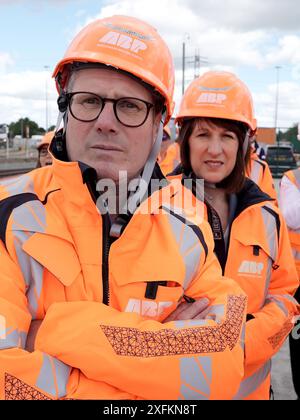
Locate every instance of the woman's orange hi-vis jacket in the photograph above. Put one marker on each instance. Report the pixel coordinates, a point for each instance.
(256, 252)
(289, 203)
(101, 302)
(260, 173)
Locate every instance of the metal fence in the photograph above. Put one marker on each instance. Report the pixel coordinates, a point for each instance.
(18, 157)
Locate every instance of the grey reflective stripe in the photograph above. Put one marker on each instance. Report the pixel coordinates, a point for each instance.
(177, 227)
(53, 377)
(255, 171)
(196, 377)
(290, 298)
(30, 216)
(23, 336)
(268, 280)
(242, 339)
(296, 174)
(276, 299)
(271, 232)
(19, 185)
(27, 220)
(278, 302)
(295, 251)
(35, 288)
(250, 384)
(190, 323)
(192, 260)
(271, 235)
(13, 339)
(32, 272)
(178, 210)
(216, 313)
(23, 258)
(296, 254)
(189, 247)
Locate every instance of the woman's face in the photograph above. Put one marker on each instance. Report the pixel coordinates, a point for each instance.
(213, 151)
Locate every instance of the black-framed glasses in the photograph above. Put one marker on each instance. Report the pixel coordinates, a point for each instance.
(87, 106)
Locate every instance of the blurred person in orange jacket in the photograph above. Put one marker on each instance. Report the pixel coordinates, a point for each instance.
(216, 120)
(163, 158)
(290, 206)
(169, 157)
(44, 156)
(258, 170)
(85, 287)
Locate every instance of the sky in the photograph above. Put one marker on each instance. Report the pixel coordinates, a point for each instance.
(257, 40)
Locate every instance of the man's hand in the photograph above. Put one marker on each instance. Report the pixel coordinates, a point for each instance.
(185, 311)
(34, 327)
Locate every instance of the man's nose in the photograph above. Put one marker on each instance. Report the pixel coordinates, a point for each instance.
(107, 121)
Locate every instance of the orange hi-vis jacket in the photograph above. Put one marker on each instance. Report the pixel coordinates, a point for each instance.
(102, 302)
(258, 256)
(294, 177)
(171, 160)
(260, 173)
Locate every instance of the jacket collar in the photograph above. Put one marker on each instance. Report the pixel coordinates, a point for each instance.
(250, 194)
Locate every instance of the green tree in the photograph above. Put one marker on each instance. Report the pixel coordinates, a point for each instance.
(19, 127)
(291, 136)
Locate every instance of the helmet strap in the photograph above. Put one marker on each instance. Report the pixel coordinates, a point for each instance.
(246, 143)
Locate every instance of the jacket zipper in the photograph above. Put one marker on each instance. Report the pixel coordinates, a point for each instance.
(105, 255)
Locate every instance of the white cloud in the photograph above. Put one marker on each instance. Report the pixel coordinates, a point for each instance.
(249, 14)
(24, 94)
(223, 41)
(287, 50)
(232, 34)
(6, 61)
(288, 105)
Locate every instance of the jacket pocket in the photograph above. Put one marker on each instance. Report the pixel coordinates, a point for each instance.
(154, 299)
(251, 264)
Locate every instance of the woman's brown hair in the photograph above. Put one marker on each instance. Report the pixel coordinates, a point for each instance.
(235, 181)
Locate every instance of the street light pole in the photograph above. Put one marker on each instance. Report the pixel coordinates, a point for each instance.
(46, 97)
(277, 99)
(276, 115)
(186, 38)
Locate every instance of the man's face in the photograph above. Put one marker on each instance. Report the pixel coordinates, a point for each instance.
(105, 144)
(44, 155)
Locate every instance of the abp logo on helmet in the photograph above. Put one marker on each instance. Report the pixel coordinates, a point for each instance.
(123, 41)
(211, 98)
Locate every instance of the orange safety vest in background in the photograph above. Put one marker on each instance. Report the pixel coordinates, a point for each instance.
(260, 259)
(171, 160)
(294, 177)
(58, 265)
(260, 173)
